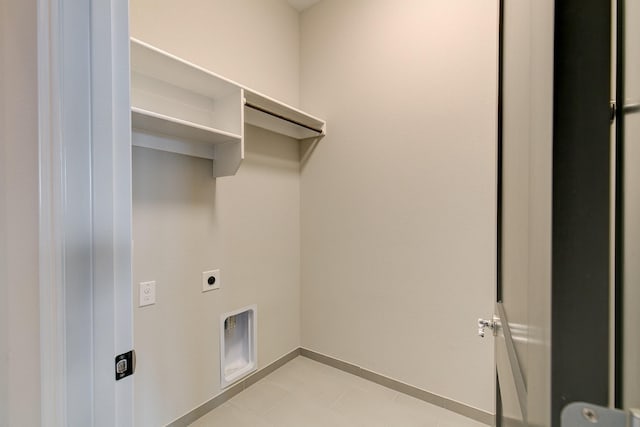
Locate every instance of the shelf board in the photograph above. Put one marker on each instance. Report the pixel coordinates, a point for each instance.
(155, 123)
(268, 113)
(159, 132)
(165, 87)
(158, 64)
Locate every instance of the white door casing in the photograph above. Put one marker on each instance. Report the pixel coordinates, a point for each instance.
(85, 211)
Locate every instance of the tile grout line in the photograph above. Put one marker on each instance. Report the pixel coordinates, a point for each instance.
(335, 401)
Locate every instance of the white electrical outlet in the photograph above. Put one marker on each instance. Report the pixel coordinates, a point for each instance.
(147, 293)
(210, 280)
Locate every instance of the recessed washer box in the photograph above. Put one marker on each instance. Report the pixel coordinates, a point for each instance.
(238, 349)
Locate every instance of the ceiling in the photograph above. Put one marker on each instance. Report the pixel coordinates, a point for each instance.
(301, 5)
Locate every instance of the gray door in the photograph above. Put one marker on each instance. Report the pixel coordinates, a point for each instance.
(625, 367)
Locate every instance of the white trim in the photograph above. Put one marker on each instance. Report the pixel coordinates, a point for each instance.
(86, 315)
(51, 245)
(111, 209)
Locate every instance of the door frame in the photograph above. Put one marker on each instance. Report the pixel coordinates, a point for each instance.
(84, 211)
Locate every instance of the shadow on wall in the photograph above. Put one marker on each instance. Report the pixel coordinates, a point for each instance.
(270, 150)
(154, 180)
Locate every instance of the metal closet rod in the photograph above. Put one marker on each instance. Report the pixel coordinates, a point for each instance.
(631, 108)
(255, 107)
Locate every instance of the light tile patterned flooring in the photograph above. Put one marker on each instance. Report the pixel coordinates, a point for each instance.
(305, 393)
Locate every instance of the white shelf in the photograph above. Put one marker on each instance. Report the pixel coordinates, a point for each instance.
(180, 107)
(268, 113)
(151, 61)
(155, 123)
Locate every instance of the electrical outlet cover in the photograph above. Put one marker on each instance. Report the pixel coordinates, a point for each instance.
(147, 293)
(210, 280)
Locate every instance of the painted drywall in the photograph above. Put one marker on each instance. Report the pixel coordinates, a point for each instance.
(4, 315)
(301, 5)
(253, 42)
(4, 289)
(185, 222)
(399, 200)
(19, 307)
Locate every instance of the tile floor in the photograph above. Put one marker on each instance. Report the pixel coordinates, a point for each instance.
(305, 393)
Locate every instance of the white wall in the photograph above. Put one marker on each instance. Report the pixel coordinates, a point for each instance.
(4, 289)
(253, 42)
(185, 222)
(19, 319)
(399, 200)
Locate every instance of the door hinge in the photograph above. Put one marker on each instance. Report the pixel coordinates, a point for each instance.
(125, 364)
(612, 111)
(580, 414)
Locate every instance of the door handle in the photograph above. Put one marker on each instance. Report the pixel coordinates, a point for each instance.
(483, 324)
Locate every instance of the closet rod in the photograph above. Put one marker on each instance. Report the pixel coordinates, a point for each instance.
(255, 107)
(631, 108)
